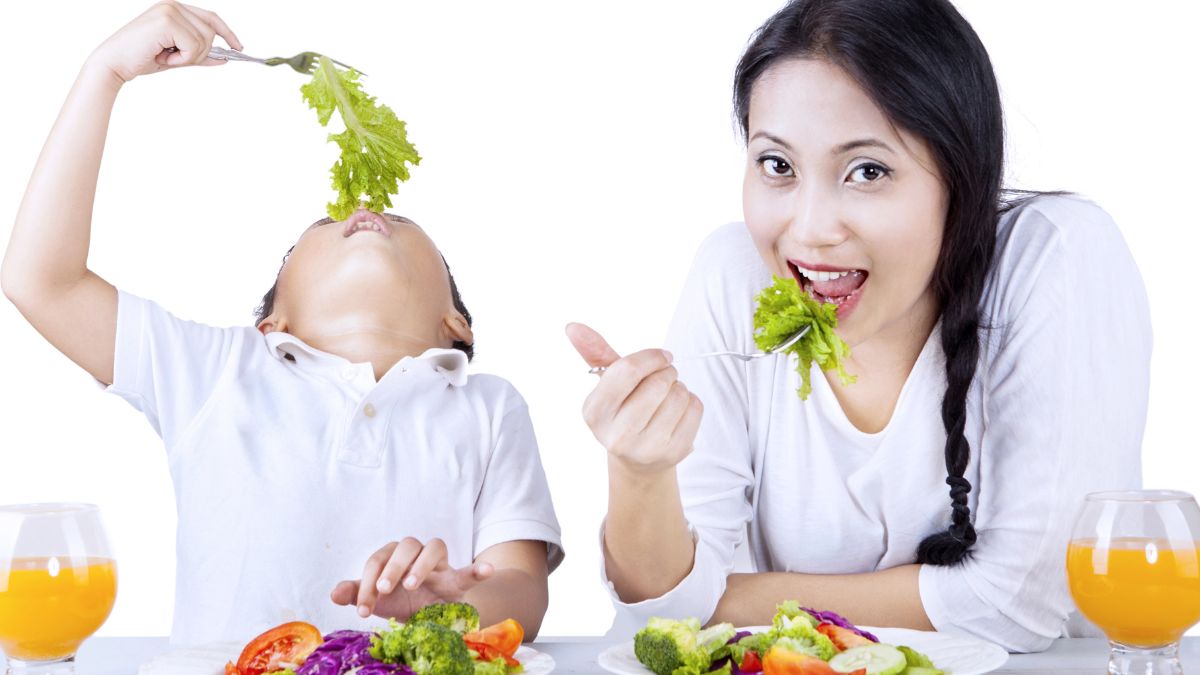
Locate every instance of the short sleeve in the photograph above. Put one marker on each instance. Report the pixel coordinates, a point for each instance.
(714, 314)
(167, 367)
(1065, 392)
(514, 502)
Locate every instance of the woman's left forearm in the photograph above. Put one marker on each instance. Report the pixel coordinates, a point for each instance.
(511, 593)
(890, 597)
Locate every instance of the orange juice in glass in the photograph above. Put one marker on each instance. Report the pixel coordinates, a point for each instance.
(58, 582)
(1133, 566)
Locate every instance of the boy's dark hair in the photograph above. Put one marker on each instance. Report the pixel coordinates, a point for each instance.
(267, 305)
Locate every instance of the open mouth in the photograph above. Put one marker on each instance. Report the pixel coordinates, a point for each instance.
(366, 221)
(841, 286)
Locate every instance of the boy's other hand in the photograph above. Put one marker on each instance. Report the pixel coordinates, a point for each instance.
(168, 35)
(404, 576)
(639, 411)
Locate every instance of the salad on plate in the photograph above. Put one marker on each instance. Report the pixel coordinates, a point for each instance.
(440, 639)
(799, 641)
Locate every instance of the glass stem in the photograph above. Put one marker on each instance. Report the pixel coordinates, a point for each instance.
(1129, 660)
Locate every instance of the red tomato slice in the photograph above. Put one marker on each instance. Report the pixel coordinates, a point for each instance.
(489, 653)
(281, 647)
(230, 669)
(842, 638)
(505, 636)
(751, 663)
(783, 662)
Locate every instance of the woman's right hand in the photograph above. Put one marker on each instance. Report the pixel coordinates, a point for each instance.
(639, 411)
(168, 35)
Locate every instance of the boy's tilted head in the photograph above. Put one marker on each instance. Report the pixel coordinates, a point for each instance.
(372, 277)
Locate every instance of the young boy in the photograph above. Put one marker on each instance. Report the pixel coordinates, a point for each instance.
(346, 420)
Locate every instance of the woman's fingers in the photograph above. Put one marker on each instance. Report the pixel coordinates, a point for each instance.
(619, 383)
(647, 397)
(591, 345)
(661, 426)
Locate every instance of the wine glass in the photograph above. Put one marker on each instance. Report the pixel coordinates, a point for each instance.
(1134, 571)
(58, 582)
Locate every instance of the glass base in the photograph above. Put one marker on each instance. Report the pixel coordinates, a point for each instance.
(57, 667)
(1129, 660)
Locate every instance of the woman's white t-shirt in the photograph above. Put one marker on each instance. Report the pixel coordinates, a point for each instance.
(1056, 410)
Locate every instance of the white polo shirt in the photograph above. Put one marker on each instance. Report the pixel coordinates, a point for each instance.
(291, 466)
(1056, 410)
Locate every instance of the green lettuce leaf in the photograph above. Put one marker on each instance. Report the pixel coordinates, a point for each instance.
(375, 147)
(783, 308)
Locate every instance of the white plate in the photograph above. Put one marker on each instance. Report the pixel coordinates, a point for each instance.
(211, 659)
(955, 654)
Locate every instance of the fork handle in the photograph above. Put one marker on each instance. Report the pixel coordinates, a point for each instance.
(223, 54)
(599, 370)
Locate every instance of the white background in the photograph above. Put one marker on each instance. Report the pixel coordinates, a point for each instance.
(574, 156)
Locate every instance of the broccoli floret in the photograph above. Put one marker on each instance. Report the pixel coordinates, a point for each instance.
(459, 617)
(427, 648)
(387, 645)
(790, 609)
(802, 637)
(666, 645)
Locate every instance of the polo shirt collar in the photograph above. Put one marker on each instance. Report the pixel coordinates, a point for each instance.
(449, 363)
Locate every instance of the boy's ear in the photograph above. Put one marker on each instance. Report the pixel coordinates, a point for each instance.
(272, 324)
(457, 328)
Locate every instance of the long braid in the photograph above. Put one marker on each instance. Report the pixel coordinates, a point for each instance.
(959, 280)
(960, 343)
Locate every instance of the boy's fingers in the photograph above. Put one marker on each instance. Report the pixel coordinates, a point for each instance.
(371, 571)
(468, 577)
(188, 44)
(594, 349)
(344, 593)
(218, 25)
(431, 558)
(400, 558)
(204, 34)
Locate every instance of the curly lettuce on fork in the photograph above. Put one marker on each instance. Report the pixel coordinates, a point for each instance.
(783, 308)
(374, 145)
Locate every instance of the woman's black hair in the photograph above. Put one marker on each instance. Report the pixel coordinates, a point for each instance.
(924, 66)
(267, 305)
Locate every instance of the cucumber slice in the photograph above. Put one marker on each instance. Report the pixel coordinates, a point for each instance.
(922, 670)
(877, 659)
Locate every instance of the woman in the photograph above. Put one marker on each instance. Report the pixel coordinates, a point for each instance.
(1001, 347)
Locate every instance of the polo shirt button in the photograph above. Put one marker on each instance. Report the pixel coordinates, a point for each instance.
(348, 373)
(369, 410)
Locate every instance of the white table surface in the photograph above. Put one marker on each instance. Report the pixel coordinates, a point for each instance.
(123, 655)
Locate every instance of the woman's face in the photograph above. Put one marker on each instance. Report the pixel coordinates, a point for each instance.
(838, 198)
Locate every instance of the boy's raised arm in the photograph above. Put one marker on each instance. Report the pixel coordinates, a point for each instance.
(45, 271)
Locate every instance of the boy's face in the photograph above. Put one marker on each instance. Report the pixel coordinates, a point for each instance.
(370, 274)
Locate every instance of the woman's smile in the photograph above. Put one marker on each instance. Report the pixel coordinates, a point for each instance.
(842, 286)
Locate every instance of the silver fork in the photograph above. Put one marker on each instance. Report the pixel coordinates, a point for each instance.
(304, 62)
(792, 339)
